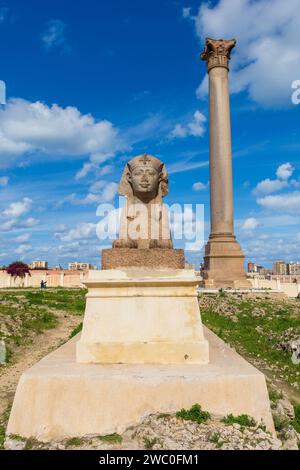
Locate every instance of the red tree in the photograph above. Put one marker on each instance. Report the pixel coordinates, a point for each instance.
(18, 269)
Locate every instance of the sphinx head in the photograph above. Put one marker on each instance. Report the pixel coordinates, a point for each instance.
(146, 177)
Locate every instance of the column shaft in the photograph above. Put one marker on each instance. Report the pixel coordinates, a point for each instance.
(221, 208)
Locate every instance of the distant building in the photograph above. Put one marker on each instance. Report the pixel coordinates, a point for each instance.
(39, 265)
(280, 267)
(79, 266)
(293, 268)
(252, 268)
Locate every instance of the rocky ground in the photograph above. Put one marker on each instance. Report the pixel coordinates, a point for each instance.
(169, 432)
(259, 328)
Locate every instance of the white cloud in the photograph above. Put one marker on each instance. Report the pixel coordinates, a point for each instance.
(17, 209)
(15, 224)
(28, 128)
(54, 36)
(289, 202)
(284, 171)
(92, 167)
(80, 232)
(250, 224)
(266, 59)
(23, 238)
(268, 186)
(3, 180)
(199, 186)
(100, 192)
(194, 128)
(24, 248)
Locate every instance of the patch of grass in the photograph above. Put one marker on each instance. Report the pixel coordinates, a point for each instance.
(74, 441)
(2, 436)
(41, 320)
(150, 443)
(255, 330)
(76, 330)
(111, 438)
(195, 413)
(215, 437)
(242, 420)
(296, 421)
(32, 443)
(275, 395)
(280, 423)
(26, 313)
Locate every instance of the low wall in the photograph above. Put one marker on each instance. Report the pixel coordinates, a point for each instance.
(62, 278)
(291, 289)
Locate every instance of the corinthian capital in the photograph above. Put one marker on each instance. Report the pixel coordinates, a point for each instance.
(217, 52)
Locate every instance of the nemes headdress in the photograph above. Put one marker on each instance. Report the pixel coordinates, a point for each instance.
(125, 188)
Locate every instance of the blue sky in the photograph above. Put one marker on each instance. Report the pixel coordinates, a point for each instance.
(91, 84)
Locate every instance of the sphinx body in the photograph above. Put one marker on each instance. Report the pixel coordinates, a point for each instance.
(144, 220)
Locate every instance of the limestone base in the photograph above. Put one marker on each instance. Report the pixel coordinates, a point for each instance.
(142, 316)
(58, 398)
(224, 263)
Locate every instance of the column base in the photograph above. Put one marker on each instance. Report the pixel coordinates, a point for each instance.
(224, 263)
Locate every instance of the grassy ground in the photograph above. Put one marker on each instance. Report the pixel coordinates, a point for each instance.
(259, 329)
(26, 313)
(33, 323)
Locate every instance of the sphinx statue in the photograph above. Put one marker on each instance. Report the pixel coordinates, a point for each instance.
(144, 219)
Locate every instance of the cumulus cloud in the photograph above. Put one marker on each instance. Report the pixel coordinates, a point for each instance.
(31, 127)
(266, 59)
(17, 209)
(267, 186)
(250, 224)
(16, 224)
(199, 186)
(100, 192)
(3, 181)
(80, 232)
(289, 202)
(284, 171)
(54, 36)
(194, 128)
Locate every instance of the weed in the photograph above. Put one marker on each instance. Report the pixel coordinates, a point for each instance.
(111, 438)
(242, 420)
(195, 413)
(150, 443)
(76, 330)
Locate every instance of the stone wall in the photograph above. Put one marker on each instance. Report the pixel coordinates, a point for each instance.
(291, 289)
(63, 278)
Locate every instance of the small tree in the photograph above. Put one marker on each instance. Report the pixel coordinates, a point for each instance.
(18, 269)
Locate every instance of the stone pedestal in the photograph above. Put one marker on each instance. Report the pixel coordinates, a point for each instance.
(118, 258)
(142, 316)
(224, 263)
(59, 398)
